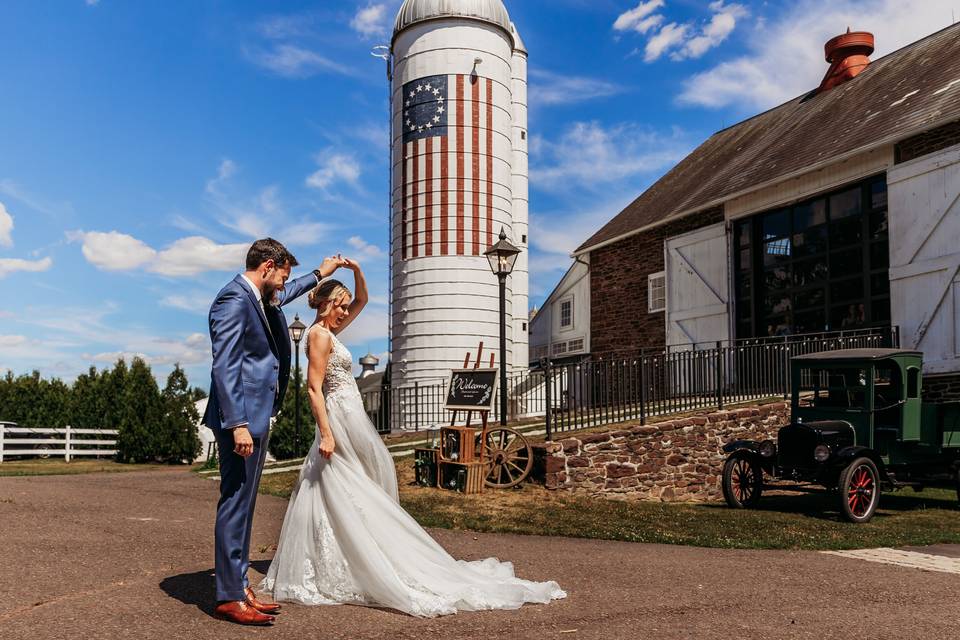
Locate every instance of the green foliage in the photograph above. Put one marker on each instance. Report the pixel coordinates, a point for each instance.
(152, 426)
(141, 416)
(282, 435)
(178, 440)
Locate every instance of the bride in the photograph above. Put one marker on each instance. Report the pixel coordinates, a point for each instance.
(345, 537)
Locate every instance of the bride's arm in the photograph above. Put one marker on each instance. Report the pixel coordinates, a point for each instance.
(360, 295)
(320, 346)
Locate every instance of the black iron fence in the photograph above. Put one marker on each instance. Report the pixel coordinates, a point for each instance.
(631, 386)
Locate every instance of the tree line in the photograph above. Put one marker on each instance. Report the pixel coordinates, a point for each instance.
(154, 425)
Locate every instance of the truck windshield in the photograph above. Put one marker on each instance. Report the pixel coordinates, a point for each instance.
(831, 388)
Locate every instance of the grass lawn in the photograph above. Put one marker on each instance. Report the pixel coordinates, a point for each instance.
(798, 521)
(58, 466)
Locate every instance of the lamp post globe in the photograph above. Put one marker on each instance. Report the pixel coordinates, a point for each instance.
(296, 334)
(502, 256)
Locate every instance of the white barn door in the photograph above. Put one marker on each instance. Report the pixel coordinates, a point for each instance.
(697, 287)
(697, 309)
(924, 215)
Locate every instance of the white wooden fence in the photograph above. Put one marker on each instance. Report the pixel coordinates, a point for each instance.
(19, 441)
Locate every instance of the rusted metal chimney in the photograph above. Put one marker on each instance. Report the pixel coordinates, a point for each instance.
(848, 55)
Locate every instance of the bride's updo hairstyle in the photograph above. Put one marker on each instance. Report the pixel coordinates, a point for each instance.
(325, 294)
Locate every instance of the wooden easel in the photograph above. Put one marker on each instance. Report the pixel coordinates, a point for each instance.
(483, 414)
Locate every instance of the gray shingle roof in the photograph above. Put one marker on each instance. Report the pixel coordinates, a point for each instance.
(903, 93)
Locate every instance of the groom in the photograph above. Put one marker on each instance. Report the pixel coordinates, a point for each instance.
(251, 367)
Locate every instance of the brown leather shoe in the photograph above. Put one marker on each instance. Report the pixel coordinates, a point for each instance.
(241, 613)
(263, 607)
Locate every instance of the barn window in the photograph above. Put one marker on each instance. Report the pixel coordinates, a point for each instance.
(656, 292)
(566, 313)
(817, 265)
(575, 345)
(559, 348)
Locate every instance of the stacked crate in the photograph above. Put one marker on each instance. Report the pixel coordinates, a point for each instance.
(455, 465)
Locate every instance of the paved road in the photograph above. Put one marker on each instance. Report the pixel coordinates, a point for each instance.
(129, 555)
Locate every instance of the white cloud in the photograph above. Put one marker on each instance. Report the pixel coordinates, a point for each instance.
(590, 156)
(334, 167)
(92, 3)
(669, 36)
(305, 233)
(194, 302)
(193, 255)
(12, 341)
(12, 265)
(757, 80)
(17, 192)
(364, 248)
(6, 227)
(225, 171)
(638, 18)
(680, 40)
(295, 61)
(549, 88)
(371, 20)
(115, 251)
(370, 326)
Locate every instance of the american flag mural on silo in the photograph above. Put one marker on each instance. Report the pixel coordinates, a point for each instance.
(446, 200)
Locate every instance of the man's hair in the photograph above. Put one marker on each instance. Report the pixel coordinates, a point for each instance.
(269, 249)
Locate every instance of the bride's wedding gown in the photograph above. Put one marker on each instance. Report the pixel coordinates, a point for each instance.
(346, 539)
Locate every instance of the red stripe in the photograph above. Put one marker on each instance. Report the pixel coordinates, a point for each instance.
(460, 166)
(489, 162)
(403, 199)
(475, 158)
(428, 199)
(444, 197)
(416, 198)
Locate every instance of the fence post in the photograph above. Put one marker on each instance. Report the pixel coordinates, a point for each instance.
(786, 367)
(416, 406)
(549, 409)
(641, 361)
(66, 446)
(719, 375)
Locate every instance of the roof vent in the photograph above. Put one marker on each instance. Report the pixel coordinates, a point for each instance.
(848, 55)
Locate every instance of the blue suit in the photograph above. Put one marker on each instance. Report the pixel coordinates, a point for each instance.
(251, 369)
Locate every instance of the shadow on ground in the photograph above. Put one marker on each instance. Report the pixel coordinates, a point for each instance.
(824, 504)
(200, 587)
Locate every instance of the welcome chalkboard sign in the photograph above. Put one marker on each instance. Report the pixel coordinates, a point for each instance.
(471, 389)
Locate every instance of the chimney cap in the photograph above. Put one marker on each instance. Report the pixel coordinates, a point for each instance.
(847, 44)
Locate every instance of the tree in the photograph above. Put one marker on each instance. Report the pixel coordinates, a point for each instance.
(140, 415)
(178, 440)
(111, 389)
(282, 434)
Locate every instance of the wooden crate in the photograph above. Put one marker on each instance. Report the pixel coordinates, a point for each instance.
(458, 444)
(425, 466)
(463, 477)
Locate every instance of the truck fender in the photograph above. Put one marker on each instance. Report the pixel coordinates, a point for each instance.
(736, 445)
(846, 455)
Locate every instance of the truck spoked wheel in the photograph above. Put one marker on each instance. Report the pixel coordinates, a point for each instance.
(742, 480)
(859, 490)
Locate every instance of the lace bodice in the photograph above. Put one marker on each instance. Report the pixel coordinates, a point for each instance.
(339, 375)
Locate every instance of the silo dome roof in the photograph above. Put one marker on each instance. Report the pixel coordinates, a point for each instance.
(414, 11)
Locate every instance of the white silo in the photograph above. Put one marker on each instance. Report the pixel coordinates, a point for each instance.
(454, 167)
(521, 200)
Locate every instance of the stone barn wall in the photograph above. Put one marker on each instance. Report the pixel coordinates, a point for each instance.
(677, 460)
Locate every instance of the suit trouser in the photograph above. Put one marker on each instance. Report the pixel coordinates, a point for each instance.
(239, 481)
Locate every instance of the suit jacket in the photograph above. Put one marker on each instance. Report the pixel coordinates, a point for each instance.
(251, 365)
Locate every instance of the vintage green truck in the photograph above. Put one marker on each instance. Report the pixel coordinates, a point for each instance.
(858, 425)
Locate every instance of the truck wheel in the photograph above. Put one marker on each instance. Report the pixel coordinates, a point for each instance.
(859, 490)
(742, 480)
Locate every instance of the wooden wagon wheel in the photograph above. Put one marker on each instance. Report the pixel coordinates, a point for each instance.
(507, 455)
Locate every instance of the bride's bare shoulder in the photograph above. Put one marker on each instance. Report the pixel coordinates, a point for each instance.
(319, 337)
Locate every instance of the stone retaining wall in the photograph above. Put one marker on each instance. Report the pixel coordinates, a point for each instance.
(676, 460)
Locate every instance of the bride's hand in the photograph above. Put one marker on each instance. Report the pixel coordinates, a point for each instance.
(326, 447)
(351, 264)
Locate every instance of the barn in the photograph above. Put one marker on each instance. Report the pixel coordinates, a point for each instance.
(837, 210)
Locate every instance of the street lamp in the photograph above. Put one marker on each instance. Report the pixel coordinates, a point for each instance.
(502, 257)
(296, 334)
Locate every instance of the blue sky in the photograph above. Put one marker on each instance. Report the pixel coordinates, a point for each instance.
(143, 145)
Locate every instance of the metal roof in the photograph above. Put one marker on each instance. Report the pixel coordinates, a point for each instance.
(899, 95)
(858, 354)
(415, 11)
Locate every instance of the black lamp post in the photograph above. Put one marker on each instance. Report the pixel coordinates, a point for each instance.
(502, 257)
(296, 333)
